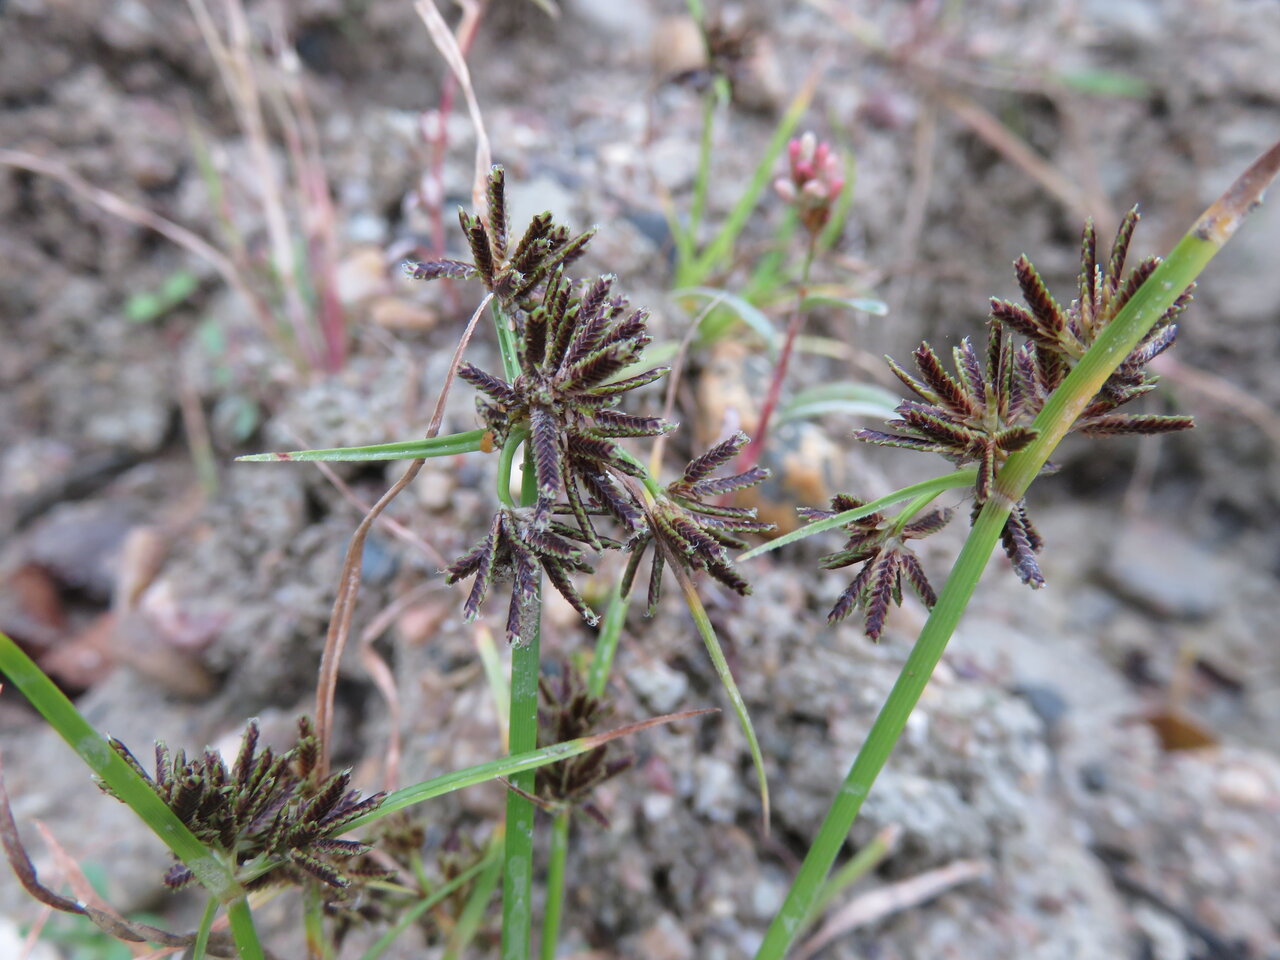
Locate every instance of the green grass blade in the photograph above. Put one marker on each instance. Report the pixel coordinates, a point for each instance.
(716, 322)
(447, 446)
(410, 916)
(503, 767)
(720, 250)
(848, 398)
(198, 950)
(712, 643)
(615, 615)
(859, 865)
(517, 854)
(499, 689)
(959, 478)
(477, 905)
(702, 181)
(556, 870)
(99, 756)
(877, 308)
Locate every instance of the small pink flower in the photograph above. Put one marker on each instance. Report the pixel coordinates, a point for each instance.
(815, 182)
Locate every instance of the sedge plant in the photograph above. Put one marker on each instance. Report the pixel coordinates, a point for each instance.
(998, 418)
(571, 353)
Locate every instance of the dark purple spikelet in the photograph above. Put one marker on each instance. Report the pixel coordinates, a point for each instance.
(265, 808)
(685, 527)
(878, 543)
(986, 410)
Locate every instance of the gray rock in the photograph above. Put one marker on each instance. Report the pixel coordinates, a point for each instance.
(1165, 573)
(659, 687)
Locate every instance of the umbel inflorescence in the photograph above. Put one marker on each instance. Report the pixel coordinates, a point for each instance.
(575, 346)
(270, 813)
(984, 411)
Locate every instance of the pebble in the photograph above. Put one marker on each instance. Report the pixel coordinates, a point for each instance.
(715, 794)
(1165, 573)
(1243, 786)
(666, 940)
(661, 688)
(393, 313)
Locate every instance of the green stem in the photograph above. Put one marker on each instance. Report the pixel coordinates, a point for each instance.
(506, 344)
(615, 615)
(908, 513)
(410, 916)
(884, 733)
(318, 948)
(650, 482)
(506, 463)
(243, 931)
(930, 488)
(517, 870)
(1115, 343)
(198, 950)
(125, 782)
(555, 885)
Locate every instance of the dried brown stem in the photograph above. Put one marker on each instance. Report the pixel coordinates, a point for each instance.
(117, 206)
(451, 51)
(344, 604)
(891, 899)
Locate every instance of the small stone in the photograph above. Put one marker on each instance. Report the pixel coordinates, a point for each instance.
(434, 488)
(1243, 786)
(361, 276)
(13, 943)
(715, 790)
(80, 544)
(392, 313)
(1165, 573)
(661, 688)
(678, 47)
(666, 940)
(657, 807)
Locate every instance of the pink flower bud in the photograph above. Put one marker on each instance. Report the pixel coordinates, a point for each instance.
(816, 179)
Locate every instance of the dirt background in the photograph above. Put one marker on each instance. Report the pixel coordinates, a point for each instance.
(177, 609)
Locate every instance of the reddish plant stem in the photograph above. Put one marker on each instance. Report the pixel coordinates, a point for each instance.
(751, 455)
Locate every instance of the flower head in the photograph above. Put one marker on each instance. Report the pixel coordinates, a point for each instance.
(267, 806)
(985, 411)
(879, 544)
(815, 180)
(694, 532)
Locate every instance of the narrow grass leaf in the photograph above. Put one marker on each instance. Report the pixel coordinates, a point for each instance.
(960, 478)
(712, 643)
(877, 308)
(714, 325)
(446, 446)
(507, 767)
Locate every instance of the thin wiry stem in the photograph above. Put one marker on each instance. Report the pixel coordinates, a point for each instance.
(344, 604)
(751, 456)
(556, 870)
